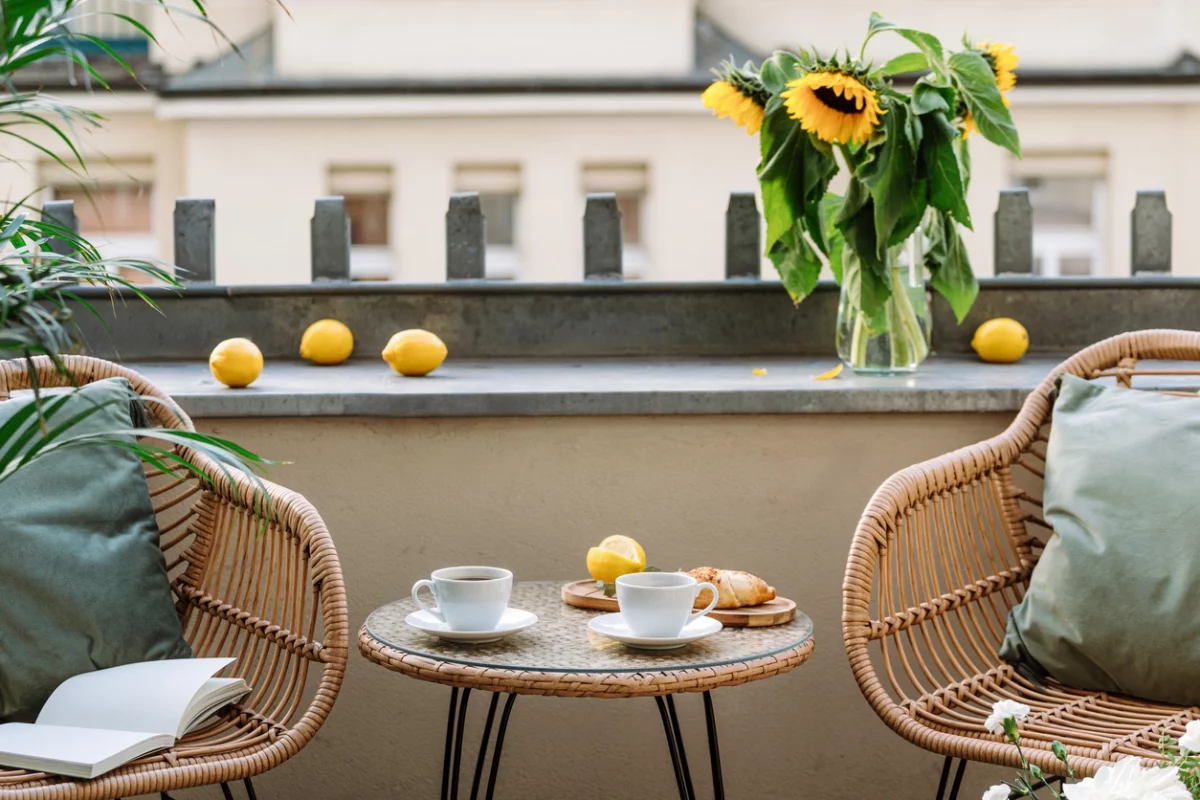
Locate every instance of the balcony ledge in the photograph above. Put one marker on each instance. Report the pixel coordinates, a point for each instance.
(581, 387)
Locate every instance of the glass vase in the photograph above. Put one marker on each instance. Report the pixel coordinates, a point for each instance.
(896, 339)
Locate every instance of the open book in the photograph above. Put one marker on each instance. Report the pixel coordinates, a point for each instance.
(98, 721)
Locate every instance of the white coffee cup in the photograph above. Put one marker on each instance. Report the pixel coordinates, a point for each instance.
(657, 605)
(468, 598)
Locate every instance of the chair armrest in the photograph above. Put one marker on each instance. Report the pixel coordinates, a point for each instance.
(262, 582)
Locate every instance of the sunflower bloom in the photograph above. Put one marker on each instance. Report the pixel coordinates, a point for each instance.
(1002, 58)
(834, 106)
(727, 100)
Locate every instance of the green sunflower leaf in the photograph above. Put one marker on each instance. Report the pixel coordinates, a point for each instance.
(863, 271)
(835, 243)
(793, 171)
(947, 189)
(977, 83)
(906, 64)
(927, 98)
(864, 285)
(796, 262)
(780, 68)
(949, 267)
(963, 150)
(912, 212)
(927, 43)
(891, 173)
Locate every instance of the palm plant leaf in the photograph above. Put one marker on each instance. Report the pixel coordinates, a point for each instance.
(43, 262)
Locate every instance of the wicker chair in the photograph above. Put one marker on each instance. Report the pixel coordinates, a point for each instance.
(944, 550)
(273, 598)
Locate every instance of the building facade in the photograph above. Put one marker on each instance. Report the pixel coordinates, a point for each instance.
(396, 104)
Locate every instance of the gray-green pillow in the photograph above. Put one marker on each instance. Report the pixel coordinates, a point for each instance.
(1114, 603)
(83, 583)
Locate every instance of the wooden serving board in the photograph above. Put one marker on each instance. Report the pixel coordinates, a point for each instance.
(585, 594)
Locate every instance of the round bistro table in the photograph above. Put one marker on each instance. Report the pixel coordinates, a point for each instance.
(561, 657)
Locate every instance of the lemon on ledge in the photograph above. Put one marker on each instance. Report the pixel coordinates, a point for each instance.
(414, 352)
(1001, 340)
(616, 556)
(237, 363)
(326, 342)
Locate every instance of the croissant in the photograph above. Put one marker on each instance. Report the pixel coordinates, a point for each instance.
(735, 589)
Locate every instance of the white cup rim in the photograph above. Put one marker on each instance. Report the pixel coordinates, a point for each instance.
(477, 574)
(656, 580)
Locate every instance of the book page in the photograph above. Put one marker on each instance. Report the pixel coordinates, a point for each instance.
(81, 752)
(152, 696)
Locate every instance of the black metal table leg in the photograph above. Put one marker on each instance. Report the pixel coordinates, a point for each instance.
(449, 752)
(458, 737)
(683, 762)
(487, 734)
(456, 726)
(668, 729)
(499, 746)
(714, 748)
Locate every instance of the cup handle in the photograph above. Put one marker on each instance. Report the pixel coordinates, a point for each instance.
(712, 604)
(417, 587)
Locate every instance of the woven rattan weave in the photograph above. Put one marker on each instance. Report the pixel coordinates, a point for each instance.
(273, 597)
(943, 551)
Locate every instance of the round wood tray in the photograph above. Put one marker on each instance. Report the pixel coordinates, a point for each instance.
(585, 594)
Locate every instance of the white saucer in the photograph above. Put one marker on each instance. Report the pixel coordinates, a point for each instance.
(614, 627)
(514, 620)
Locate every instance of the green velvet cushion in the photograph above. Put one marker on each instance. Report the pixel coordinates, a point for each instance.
(83, 583)
(1114, 602)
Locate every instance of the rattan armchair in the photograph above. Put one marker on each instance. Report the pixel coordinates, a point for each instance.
(945, 549)
(270, 595)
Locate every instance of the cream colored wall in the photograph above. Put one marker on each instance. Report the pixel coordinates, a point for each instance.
(265, 193)
(778, 496)
(1095, 34)
(484, 38)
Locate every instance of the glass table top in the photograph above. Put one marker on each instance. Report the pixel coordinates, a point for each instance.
(562, 642)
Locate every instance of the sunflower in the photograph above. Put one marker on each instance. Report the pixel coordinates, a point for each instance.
(1002, 58)
(835, 106)
(738, 94)
(726, 100)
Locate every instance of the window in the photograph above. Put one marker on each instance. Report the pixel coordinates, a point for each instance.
(499, 187)
(115, 208)
(368, 194)
(629, 183)
(1068, 194)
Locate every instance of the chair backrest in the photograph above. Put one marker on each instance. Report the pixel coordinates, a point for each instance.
(82, 370)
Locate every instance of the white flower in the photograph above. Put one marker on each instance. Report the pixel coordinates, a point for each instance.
(1001, 711)
(1190, 741)
(997, 792)
(1128, 780)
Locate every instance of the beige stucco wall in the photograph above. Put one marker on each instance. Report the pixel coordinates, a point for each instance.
(1049, 33)
(483, 38)
(778, 495)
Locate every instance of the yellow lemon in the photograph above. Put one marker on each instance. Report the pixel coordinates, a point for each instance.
(414, 352)
(616, 556)
(326, 341)
(236, 362)
(1001, 340)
